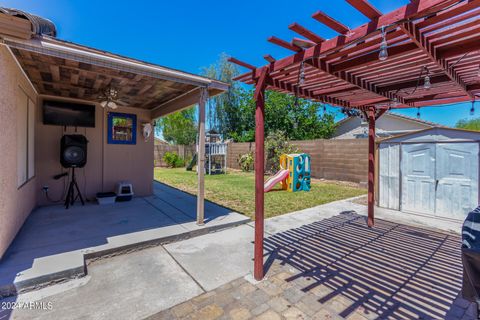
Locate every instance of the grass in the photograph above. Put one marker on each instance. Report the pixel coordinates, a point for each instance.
(236, 190)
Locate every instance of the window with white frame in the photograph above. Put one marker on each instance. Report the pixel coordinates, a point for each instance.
(25, 138)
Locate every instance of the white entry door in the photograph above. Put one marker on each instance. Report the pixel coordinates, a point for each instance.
(418, 181)
(457, 179)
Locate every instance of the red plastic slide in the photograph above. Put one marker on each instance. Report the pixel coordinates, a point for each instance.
(277, 178)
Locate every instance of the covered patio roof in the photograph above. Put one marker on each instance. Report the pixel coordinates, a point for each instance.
(424, 53)
(61, 69)
(65, 69)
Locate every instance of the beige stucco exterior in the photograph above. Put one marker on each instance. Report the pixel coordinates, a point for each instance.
(15, 203)
(107, 164)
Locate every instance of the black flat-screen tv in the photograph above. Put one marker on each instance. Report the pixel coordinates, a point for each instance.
(68, 114)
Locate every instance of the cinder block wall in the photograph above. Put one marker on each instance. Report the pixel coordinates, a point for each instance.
(344, 160)
(186, 152)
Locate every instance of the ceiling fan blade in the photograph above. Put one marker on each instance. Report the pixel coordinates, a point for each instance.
(122, 103)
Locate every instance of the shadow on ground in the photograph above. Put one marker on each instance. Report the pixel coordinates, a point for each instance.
(390, 271)
(56, 232)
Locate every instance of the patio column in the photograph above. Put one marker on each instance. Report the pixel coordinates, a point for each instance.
(201, 157)
(259, 96)
(371, 165)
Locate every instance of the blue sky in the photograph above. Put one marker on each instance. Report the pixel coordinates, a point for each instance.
(189, 35)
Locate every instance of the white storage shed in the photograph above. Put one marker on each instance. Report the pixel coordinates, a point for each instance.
(432, 172)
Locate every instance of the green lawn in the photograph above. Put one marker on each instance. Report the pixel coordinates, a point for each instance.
(235, 190)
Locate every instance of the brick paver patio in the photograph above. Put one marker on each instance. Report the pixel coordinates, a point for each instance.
(338, 268)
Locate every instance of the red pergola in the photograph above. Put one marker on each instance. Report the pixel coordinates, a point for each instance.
(423, 54)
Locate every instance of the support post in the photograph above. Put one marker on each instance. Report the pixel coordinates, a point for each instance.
(201, 157)
(259, 173)
(371, 165)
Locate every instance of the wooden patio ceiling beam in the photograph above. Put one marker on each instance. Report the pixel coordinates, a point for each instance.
(356, 81)
(422, 42)
(281, 85)
(241, 63)
(284, 44)
(308, 94)
(413, 9)
(302, 43)
(412, 84)
(372, 57)
(305, 33)
(365, 8)
(428, 102)
(269, 58)
(330, 22)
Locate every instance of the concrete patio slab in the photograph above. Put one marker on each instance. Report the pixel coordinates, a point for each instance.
(339, 268)
(132, 286)
(55, 243)
(294, 242)
(216, 258)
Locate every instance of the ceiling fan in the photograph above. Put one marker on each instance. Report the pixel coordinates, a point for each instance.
(109, 98)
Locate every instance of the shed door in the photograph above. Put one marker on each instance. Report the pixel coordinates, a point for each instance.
(418, 181)
(389, 176)
(457, 179)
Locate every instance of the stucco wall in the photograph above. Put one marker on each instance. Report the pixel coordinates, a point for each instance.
(15, 203)
(106, 163)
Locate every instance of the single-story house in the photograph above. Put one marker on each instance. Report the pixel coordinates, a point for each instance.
(390, 124)
(120, 97)
(431, 172)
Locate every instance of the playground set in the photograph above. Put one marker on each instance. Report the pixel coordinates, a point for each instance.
(294, 173)
(215, 155)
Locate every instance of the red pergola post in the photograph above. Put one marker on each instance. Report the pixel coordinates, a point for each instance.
(259, 96)
(371, 165)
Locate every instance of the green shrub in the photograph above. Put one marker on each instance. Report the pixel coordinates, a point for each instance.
(277, 144)
(246, 161)
(173, 160)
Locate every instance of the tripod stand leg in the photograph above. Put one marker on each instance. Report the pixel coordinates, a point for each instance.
(79, 193)
(69, 196)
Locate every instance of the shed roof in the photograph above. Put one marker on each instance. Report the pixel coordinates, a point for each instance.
(401, 116)
(435, 134)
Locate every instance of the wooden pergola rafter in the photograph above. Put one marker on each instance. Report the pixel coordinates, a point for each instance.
(438, 38)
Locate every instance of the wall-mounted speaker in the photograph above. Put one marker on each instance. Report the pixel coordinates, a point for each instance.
(73, 151)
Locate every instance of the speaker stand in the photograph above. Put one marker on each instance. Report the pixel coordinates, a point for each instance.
(72, 189)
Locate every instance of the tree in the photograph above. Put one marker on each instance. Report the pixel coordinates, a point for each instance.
(223, 112)
(232, 114)
(179, 127)
(472, 124)
(297, 119)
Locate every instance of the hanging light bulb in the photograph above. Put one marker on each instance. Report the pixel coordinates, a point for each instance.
(472, 109)
(418, 113)
(301, 80)
(383, 55)
(426, 81)
(324, 108)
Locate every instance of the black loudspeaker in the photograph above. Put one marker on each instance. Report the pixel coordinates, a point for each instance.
(73, 151)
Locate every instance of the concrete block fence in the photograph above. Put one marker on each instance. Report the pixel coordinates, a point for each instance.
(343, 159)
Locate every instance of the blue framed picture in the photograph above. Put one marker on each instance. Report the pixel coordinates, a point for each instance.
(122, 128)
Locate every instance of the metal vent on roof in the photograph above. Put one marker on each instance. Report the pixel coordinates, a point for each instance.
(40, 26)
